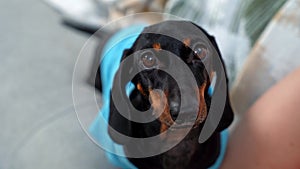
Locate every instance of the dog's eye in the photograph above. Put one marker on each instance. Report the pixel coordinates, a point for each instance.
(148, 59)
(200, 50)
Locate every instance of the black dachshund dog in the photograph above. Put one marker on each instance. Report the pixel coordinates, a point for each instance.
(193, 46)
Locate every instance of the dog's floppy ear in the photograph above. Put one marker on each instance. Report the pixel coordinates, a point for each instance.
(97, 82)
(119, 124)
(117, 121)
(227, 116)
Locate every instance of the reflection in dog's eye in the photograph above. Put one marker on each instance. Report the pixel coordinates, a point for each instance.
(148, 59)
(200, 50)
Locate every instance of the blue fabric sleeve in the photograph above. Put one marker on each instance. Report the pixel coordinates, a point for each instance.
(110, 62)
(224, 141)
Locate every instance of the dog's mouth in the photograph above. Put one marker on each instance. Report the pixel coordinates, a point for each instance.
(184, 125)
(192, 115)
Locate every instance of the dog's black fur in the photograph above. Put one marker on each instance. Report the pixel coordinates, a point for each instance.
(188, 153)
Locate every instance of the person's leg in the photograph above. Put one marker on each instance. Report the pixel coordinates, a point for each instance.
(268, 136)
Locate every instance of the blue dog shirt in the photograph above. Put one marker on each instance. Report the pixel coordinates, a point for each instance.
(111, 58)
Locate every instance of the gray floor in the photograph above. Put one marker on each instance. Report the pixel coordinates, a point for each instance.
(39, 128)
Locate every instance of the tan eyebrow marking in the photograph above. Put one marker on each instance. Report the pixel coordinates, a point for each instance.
(156, 46)
(187, 42)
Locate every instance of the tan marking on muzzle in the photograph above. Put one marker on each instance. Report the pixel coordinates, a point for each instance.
(202, 113)
(160, 104)
(212, 74)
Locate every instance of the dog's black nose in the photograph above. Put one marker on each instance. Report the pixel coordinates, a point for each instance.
(188, 113)
(174, 108)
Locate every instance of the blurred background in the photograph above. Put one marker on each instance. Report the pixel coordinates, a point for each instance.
(41, 40)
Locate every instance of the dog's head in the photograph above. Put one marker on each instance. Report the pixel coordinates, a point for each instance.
(153, 51)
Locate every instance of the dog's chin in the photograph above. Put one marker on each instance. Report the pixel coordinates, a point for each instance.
(182, 154)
